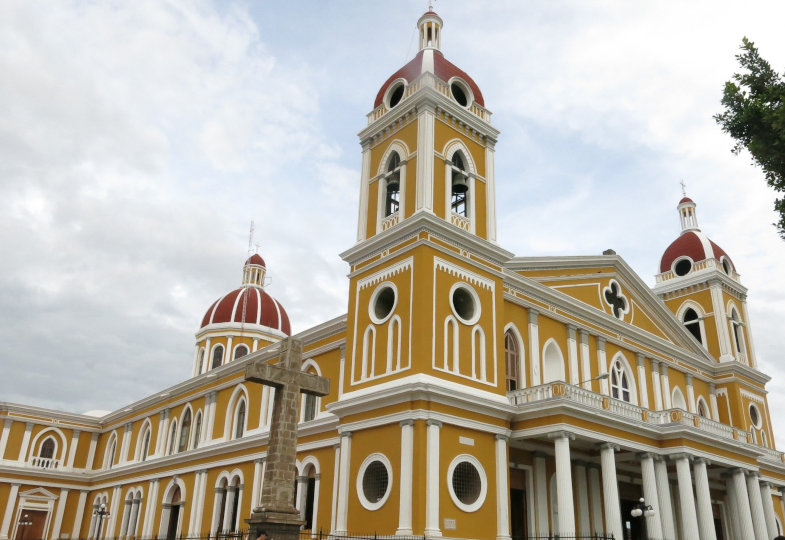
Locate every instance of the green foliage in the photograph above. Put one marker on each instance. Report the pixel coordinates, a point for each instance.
(754, 115)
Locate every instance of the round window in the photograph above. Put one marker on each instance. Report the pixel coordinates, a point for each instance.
(395, 93)
(755, 416)
(727, 266)
(467, 483)
(383, 302)
(465, 303)
(374, 481)
(682, 267)
(460, 93)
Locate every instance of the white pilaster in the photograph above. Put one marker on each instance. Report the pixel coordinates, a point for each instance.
(664, 498)
(209, 431)
(22, 458)
(200, 499)
(602, 367)
(585, 360)
(78, 516)
(194, 504)
(149, 512)
(163, 428)
(768, 509)
(126, 517)
(432, 479)
(425, 149)
(134, 521)
(336, 477)
(561, 446)
(584, 518)
(715, 410)
(343, 484)
(756, 507)
(114, 505)
(689, 520)
(72, 448)
(653, 522)
(9, 511)
(666, 386)
(490, 196)
(407, 478)
(228, 502)
(534, 348)
(572, 354)
(365, 176)
(502, 491)
(746, 527)
(703, 498)
(540, 494)
(721, 321)
(596, 499)
(228, 351)
(656, 390)
(125, 443)
(91, 451)
(610, 490)
(691, 407)
(4, 437)
(643, 388)
(748, 335)
(256, 486)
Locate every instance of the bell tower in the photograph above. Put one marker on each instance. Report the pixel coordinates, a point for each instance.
(428, 146)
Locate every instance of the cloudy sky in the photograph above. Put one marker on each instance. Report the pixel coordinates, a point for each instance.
(139, 139)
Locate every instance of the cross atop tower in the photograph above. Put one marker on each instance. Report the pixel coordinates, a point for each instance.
(683, 188)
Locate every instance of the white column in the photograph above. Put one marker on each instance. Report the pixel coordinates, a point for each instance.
(540, 494)
(194, 504)
(596, 499)
(666, 386)
(125, 443)
(602, 367)
(76, 532)
(561, 445)
(109, 532)
(72, 448)
(200, 500)
(655, 384)
(255, 345)
(715, 411)
(584, 520)
(4, 437)
(209, 421)
(490, 183)
(152, 502)
(610, 490)
(689, 520)
(768, 509)
(691, 408)
(257, 482)
(534, 349)
(365, 176)
(734, 523)
(643, 387)
(502, 491)
(336, 468)
(705, 513)
(228, 502)
(746, 527)
(653, 523)
(343, 484)
(25, 443)
(126, 517)
(664, 498)
(585, 360)
(163, 428)
(9, 511)
(407, 480)
(572, 354)
(432, 479)
(134, 521)
(756, 507)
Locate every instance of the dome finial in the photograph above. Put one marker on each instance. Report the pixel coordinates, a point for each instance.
(430, 25)
(683, 188)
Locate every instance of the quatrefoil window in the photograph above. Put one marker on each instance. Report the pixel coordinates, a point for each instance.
(616, 300)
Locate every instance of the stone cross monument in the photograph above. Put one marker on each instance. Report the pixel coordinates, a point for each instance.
(277, 514)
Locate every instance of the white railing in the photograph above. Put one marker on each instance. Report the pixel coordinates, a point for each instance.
(44, 463)
(461, 221)
(391, 220)
(562, 391)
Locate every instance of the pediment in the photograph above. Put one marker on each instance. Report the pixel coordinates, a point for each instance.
(608, 285)
(38, 494)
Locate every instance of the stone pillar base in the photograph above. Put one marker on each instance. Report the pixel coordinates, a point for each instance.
(278, 525)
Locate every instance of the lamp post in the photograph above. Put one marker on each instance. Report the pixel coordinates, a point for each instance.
(102, 513)
(23, 524)
(642, 509)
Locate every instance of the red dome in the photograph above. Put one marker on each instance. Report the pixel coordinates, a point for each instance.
(260, 309)
(686, 199)
(694, 245)
(442, 68)
(256, 259)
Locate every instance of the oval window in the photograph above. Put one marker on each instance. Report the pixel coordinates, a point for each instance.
(465, 304)
(459, 94)
(383, 302)
(374, 481)
(395, 93)
(682, 267)
(467, 483)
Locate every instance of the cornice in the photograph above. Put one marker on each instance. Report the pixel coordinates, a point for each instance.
(708, 275)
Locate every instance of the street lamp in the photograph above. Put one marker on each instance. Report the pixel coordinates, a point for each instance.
(23, 524)
(102, 513)
(600, 377)
(642, 509)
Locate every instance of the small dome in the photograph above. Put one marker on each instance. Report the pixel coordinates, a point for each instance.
(692, 244)
(255, 259)
(686, 200)
(261, 309)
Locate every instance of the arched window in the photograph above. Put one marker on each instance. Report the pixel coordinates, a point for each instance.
(47, 448)
(620, 382)
(703, 410)
(197, 429)
(145, 450)
(677, 399)
(692, 323)
(392, 185)
(512, 361)
(201, 361)
(240, 351)
(218, 356)
(173, 438)
(460, 186)
(185, 431)
(112, 450)
(738, 332)
(310, 408)
(239, 421)
(552, 363)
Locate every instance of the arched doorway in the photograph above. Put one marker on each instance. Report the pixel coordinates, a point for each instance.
(172, 521)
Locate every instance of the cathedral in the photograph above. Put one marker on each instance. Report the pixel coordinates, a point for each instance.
(474, 394)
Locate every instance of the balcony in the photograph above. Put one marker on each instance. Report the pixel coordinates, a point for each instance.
(38, 462)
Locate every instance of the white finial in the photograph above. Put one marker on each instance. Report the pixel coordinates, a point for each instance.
(683, 188)
(250, 239)
(430, 5)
